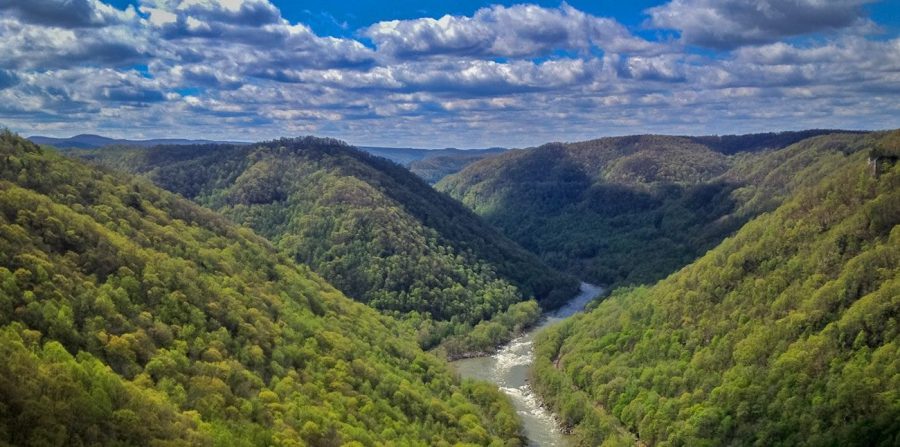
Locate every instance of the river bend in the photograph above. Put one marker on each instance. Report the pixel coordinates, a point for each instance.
(508, 369)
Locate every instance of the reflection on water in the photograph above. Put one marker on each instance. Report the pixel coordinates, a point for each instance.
(508, 368)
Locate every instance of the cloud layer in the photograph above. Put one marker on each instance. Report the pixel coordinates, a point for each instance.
(732, 23)
(518, 75)
(497, 31)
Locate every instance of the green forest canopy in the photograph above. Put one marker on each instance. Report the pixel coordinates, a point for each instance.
(129, 315)
(785, 334)
(378, 233)
(631, 210)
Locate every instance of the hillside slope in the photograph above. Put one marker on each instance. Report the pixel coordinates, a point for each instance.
(629, 210)
(378, 233)
(130, 316)
(785, 334)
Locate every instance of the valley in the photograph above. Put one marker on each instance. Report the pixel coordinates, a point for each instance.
(274, 223)
(802, 258)
(783, 328)
(509, 369)
(631, 210)
(370, 227)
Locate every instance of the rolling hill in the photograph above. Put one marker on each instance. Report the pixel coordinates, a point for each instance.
(630, 210)
(378, 233)
(785, 334)
(430, 164)
(90, 141)
(131, 316)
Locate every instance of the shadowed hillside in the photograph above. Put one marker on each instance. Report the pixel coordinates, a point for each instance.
(784, 334)
(631, 210)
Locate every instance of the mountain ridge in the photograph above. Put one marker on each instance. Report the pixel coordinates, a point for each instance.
(430, 164)
(92, 141)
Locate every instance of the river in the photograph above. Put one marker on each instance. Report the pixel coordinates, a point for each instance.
(508, 368)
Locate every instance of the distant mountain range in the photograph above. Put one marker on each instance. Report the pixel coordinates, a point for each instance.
(408, 155)
(433, 164)
(401, 155)
(89, 141)
(430, 164)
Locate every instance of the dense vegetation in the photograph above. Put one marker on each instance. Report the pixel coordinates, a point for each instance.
(785, 334)
(629, 210)
(130, 316)
(378, 233)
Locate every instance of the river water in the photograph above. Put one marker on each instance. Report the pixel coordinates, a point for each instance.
(508, 368)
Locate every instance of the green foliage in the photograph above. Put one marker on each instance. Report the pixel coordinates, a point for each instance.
(368, 226)
(48, 397)
(631, 210)
(888, 147)
(785, 334)
(129, 315)
(484, 337)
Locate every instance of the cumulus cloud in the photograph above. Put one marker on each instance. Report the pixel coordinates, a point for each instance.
(669, 68)
(67, 13)
(499, 31)
(461, 77)
(852, 63)
(725, 24)
(237, 69)
(28, 46)
(251, 32)
(203, 18)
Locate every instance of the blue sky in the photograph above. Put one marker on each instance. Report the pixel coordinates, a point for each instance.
(345, 17)
(439, 74)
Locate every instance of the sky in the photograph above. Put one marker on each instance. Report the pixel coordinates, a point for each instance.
(446, 74)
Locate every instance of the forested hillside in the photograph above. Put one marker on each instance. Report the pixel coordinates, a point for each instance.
(130, 316)
(378, 233)
(785, 334)
(631, 210)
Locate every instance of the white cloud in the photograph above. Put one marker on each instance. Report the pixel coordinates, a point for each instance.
(159, 17)
(733, 23)
(67, 13)
(239, 70)
(499, 31)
